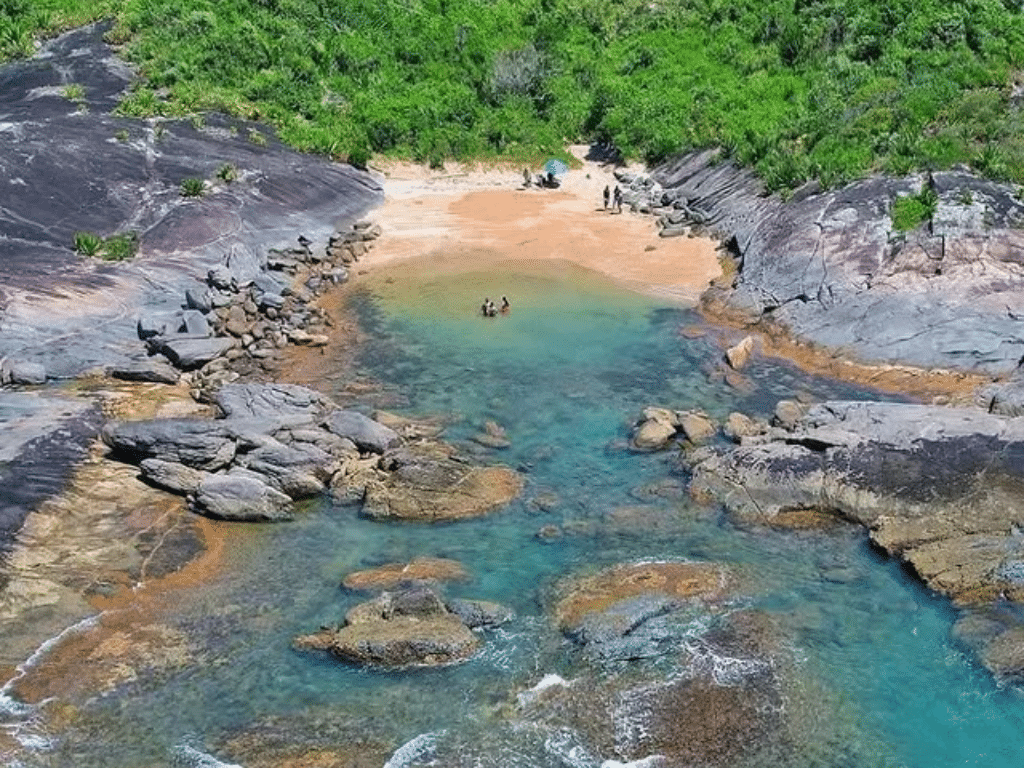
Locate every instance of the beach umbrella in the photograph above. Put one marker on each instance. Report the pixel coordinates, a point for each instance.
(555, 167)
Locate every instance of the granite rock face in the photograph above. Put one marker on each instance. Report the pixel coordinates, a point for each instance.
(940, 488)
(830, 268)
(73, 168)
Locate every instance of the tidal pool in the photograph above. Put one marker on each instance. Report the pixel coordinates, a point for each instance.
(880, 680)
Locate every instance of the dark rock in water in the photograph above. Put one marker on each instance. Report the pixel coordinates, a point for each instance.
(172, 475)
(480, 613)
(189, 352)
(234, 497)
(938, 487)
(410, 627)
(197, 443)
(145, 369)
(366, 433)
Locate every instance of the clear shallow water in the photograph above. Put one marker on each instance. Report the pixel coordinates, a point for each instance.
(882, 683)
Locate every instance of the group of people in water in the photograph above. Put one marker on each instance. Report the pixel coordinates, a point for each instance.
(616, 198)
(488, 308)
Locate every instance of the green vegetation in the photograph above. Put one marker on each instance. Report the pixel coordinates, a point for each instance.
(74, 92)
(192, 187)
(114, 248)
(227, 173)
(798, 89)
(88, 243)
(121, 136)
(913, 210)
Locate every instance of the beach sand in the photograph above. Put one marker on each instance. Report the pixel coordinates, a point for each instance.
(465, 218)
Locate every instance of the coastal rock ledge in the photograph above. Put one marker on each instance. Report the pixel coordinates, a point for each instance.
(940, 488)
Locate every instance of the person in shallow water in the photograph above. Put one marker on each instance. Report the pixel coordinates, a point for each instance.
(505, 306)
(487, 309)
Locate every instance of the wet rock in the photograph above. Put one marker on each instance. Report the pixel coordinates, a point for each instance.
(492, 436)
(234, 497)
(656, 429)
(696, 426)
(391, 575)
(22, 372)
(366, 433)
(480, 613)
(739, 355)
(429, 485)
(406, 628)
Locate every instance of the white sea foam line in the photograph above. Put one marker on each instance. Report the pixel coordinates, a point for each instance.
(415, 748)
(38, 654)
(564, 745)
(651, 761)
(184, 756)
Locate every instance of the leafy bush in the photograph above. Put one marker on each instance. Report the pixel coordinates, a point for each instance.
(192, 187)
(913, 210)
(120, 247)
(87, 243)
(227, 173)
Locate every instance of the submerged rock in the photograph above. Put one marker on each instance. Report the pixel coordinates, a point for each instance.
(391, 575)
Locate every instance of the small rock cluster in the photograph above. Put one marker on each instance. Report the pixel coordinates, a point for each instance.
(249, 308)
(410, 623)
(658, 428)
(278, 443)
(676, 214)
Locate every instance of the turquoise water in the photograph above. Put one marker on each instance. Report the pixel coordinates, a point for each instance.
(880, 680)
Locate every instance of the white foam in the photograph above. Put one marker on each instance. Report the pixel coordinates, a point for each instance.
(651, 761)
(565, 746)
(415, 748)
(184, 756)
(39, 653)
(549, 680)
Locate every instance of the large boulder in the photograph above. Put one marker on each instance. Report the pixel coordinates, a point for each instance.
(270, 401)
(242, 498)
(188, 352)
(199, 443)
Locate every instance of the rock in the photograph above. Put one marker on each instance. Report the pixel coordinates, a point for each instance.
(788, 413)
(199, 299)
(739, 355)
(228, 497)
(194, 323)
(300, 471)
(271, 402)
(149, 326)
(22, 372)
(188, 352)
(145, 369)
(1004, 656)
(366, 433)
(493, 436)
(400, 642)
(738, 426)
(427, 485)
(237, 324)
(697, 426)
(172, 475)
(480, 613)
(652, 435)
(197, 443)
(392, 575)
(934, 486)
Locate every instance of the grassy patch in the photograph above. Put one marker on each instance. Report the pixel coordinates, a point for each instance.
(227, 173)
(912, 211)
(114, 248)
(192, 187)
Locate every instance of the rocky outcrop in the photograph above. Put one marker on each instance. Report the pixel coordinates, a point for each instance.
(658, 428)
(280, 442)
(392, 575)
(937, 487)
(638, 610)
(408, 627)
(829, 267)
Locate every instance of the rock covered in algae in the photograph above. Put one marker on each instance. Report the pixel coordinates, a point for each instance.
(392, 575)
(411, 626)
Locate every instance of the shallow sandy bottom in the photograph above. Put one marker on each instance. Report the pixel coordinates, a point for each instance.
(467, 219)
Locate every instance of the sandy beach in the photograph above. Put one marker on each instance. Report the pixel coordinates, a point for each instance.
(465, 217)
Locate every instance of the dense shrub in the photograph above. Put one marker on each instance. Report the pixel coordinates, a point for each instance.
(795, 88)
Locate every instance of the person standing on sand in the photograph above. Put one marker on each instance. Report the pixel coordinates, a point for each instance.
(606, 193)
(618, 199)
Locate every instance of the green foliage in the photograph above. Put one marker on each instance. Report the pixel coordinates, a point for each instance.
(120, 247)
(192, 187)
(87, 243)
(913, 210)
(827, 89)
(114, 248)
(227, 173)
(121, 135)
(74, 92)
